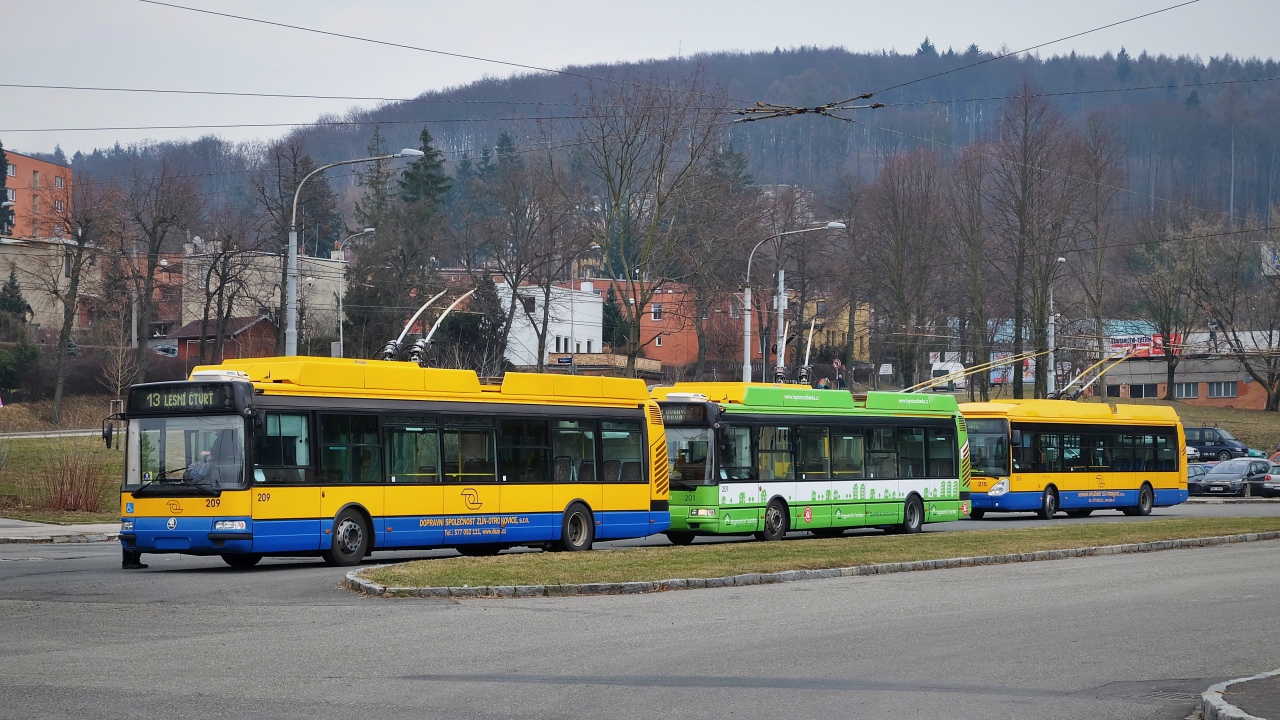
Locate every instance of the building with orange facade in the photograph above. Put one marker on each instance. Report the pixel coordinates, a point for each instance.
(40, 192)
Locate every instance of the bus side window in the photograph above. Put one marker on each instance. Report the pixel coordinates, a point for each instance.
(282, 452)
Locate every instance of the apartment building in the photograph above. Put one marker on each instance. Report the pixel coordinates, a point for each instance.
(40, 192)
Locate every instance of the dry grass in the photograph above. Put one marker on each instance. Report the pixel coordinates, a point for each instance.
(719, 560)
(78, 412)
(58, 479)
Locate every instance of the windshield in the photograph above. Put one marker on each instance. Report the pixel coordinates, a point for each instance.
(199, 452)
(1224, 435)
(688, 450)
(989, 447)
(1230, 467)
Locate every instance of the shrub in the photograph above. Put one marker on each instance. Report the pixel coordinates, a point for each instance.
(70, 481)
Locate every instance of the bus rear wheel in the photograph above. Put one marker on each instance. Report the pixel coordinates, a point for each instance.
(241, 562)
(680, 538)
(1146, 501)
(484, 550)
(776, 522)
(1048, 504)
(912, 516)
(350, 541)
(578, 531)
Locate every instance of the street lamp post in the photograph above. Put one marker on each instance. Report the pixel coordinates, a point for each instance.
(1053, 321)
(342, 248)
(746, 296)
(291, 289)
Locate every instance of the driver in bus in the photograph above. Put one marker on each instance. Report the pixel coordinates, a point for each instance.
(202, 471)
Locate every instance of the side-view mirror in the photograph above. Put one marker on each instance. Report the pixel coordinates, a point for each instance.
(260, 420)
(1016, 437)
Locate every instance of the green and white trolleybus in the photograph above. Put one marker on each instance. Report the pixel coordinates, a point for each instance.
(763, 459)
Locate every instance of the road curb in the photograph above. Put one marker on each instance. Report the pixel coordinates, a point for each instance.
(1213, 707)
(372, 589)
(60, 539)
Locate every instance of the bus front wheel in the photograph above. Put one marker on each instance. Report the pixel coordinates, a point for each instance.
(680, 538)
(350, 542)
(775, 522)
(241, 562)
(578, 531)
(977, 514)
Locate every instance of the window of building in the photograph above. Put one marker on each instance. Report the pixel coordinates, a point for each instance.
(66, 265)
(1186, 390)
(1113, 391)
(735, 308)
(821, 309)
(704, 310)
(1222, 389)
(35, 179)
(557, 343)
(58, 206)
(12, 170)
(657, 341)
(530, 304)
(10, 193)
(656, 311)
(1147, 390)
(588, 346)
(35, 205)
(60, 183)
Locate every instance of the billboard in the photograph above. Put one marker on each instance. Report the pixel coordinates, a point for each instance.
(1141, 346)
(1004, 373)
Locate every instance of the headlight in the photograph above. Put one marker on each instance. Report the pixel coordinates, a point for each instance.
(999, 488)
(702, 512)
(126, 525)
(229, 525)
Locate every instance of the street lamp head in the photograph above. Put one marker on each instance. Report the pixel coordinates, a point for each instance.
(7, 204)
(835, 225)
(368, 231)
(1062, 259)
(409, 152)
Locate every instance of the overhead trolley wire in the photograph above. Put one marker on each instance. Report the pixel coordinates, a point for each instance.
(433, 51)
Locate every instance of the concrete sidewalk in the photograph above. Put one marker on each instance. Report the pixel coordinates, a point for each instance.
(21, 531)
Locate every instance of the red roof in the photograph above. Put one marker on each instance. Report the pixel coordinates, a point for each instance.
(235, 326)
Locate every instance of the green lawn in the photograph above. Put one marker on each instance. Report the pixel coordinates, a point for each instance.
(719, 560)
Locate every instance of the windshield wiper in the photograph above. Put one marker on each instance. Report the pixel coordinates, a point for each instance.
(179, 482)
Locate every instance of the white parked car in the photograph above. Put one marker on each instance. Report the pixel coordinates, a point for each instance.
(1192, 454)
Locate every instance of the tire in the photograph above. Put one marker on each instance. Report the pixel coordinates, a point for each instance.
(1224, 455)
(1079, 513)
(776, 522)
(1146, 501)
(680, 538)
(578, 529)
(912, 516)
(241, 562)
(1048, 504)
(483, 550)
(977, 514)
(350, 541)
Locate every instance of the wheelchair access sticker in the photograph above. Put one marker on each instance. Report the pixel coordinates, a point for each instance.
(128, 507)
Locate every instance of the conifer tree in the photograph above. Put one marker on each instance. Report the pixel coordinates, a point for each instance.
(6, 214)
(425, 178)
(376, 181)
(11, 300)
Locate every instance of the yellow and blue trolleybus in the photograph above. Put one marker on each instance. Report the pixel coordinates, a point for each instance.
(1043, 456)
(340, 457)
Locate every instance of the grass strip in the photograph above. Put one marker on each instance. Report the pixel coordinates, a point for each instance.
(718, 560)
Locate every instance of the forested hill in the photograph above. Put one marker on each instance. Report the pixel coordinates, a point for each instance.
(1187, 123)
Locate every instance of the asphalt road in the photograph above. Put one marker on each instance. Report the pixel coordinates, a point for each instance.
(1135, 636)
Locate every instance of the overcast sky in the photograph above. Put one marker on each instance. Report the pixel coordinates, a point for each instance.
(132, 44)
